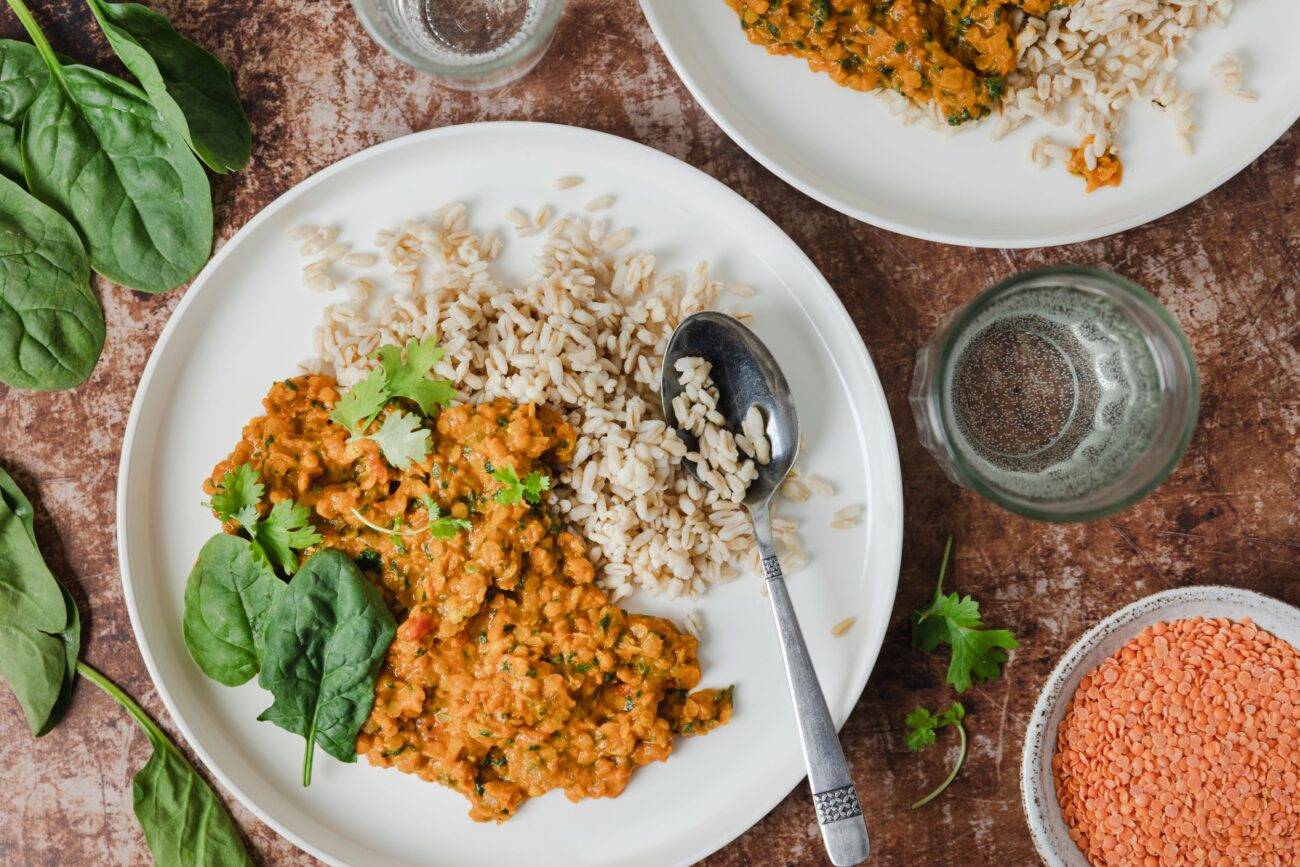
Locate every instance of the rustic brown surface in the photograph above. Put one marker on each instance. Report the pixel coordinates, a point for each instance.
(317, 90)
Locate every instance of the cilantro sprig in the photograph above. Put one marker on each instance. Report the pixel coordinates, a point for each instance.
(513, 489)
(440, 525)
(923, 727)
(399, 437)
(278, 537)
(978, 654)
(237, 496)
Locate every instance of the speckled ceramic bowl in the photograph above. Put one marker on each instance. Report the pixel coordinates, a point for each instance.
(1037, 792)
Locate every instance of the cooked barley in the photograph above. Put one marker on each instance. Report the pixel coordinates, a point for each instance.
(585, 334)
(819, 486)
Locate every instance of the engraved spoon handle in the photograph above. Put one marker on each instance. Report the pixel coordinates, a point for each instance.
(844, 830)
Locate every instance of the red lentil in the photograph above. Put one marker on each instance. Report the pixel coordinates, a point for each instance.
(1180, 749)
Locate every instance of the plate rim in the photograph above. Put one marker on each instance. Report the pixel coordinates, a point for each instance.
(831, 200)
(1033, 758)
(870, 651)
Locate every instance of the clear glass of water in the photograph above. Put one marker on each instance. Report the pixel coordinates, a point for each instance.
(1061, 394)
(464, 44)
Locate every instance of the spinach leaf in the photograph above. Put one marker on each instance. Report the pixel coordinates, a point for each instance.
(71, 634)
(227, 598)
(188, 86)
(183, 821)
(325, 639)
(22, 76)
(40, 627)
(29, 594)
(33, 664)
(51, 324)
(95, 149)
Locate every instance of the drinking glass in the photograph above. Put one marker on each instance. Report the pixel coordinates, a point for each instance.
(464, 44)
(1061, 394)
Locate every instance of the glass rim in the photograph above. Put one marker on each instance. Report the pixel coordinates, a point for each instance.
(547, 22)
(1178, 367)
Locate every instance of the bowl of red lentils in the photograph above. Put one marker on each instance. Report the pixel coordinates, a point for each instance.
(1169, 734)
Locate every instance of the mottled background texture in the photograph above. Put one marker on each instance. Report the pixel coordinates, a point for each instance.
(317, 90)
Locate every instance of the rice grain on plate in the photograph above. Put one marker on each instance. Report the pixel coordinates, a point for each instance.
(585, 333)
(1101, 55)
(1230, 74)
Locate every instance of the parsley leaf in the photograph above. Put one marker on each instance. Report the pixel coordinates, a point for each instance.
(395, 378)
(284, 531)
(922, 728)
(977, 653)
(401, 439)
(514, 489)
(238, 495)
(410, 379)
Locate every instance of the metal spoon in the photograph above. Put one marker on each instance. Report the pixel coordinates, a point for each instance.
(746, 374)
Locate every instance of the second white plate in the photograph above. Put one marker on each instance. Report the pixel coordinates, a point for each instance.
(844, 148)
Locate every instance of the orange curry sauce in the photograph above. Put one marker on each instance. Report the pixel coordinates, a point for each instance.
(1108, 172)
(953, 54)
(512, 672)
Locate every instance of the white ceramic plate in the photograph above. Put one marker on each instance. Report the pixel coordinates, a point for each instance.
(844, 149)
(1037, 790)
(247, 321)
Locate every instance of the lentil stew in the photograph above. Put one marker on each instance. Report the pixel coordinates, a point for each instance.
(954, 54)
(512, 672)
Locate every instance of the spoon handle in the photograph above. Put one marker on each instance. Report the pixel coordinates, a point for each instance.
(844, 830)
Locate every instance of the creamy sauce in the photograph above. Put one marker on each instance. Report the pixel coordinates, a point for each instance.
(512, 672)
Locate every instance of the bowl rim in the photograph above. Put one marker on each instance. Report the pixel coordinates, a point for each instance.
(1039, 747)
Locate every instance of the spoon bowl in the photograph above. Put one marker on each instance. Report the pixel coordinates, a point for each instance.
(746, 375)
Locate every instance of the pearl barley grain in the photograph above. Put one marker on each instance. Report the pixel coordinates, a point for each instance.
(1179, 749)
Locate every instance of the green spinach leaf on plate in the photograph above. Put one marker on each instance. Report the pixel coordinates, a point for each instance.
(96, 150)
(325, 639)
(227, 598)
(51, 324)
(188, 85)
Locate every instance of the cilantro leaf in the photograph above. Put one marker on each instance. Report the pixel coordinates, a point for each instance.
(921, 725)
(284, 531)
(515, 489)
(286, 527)
(977, 653)
(361, 404)
(439, 526)
(238, 495)
(357, 408)
(401, 439)
(443, 526)
(981, 653)
(922, 728)
(410, 379)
